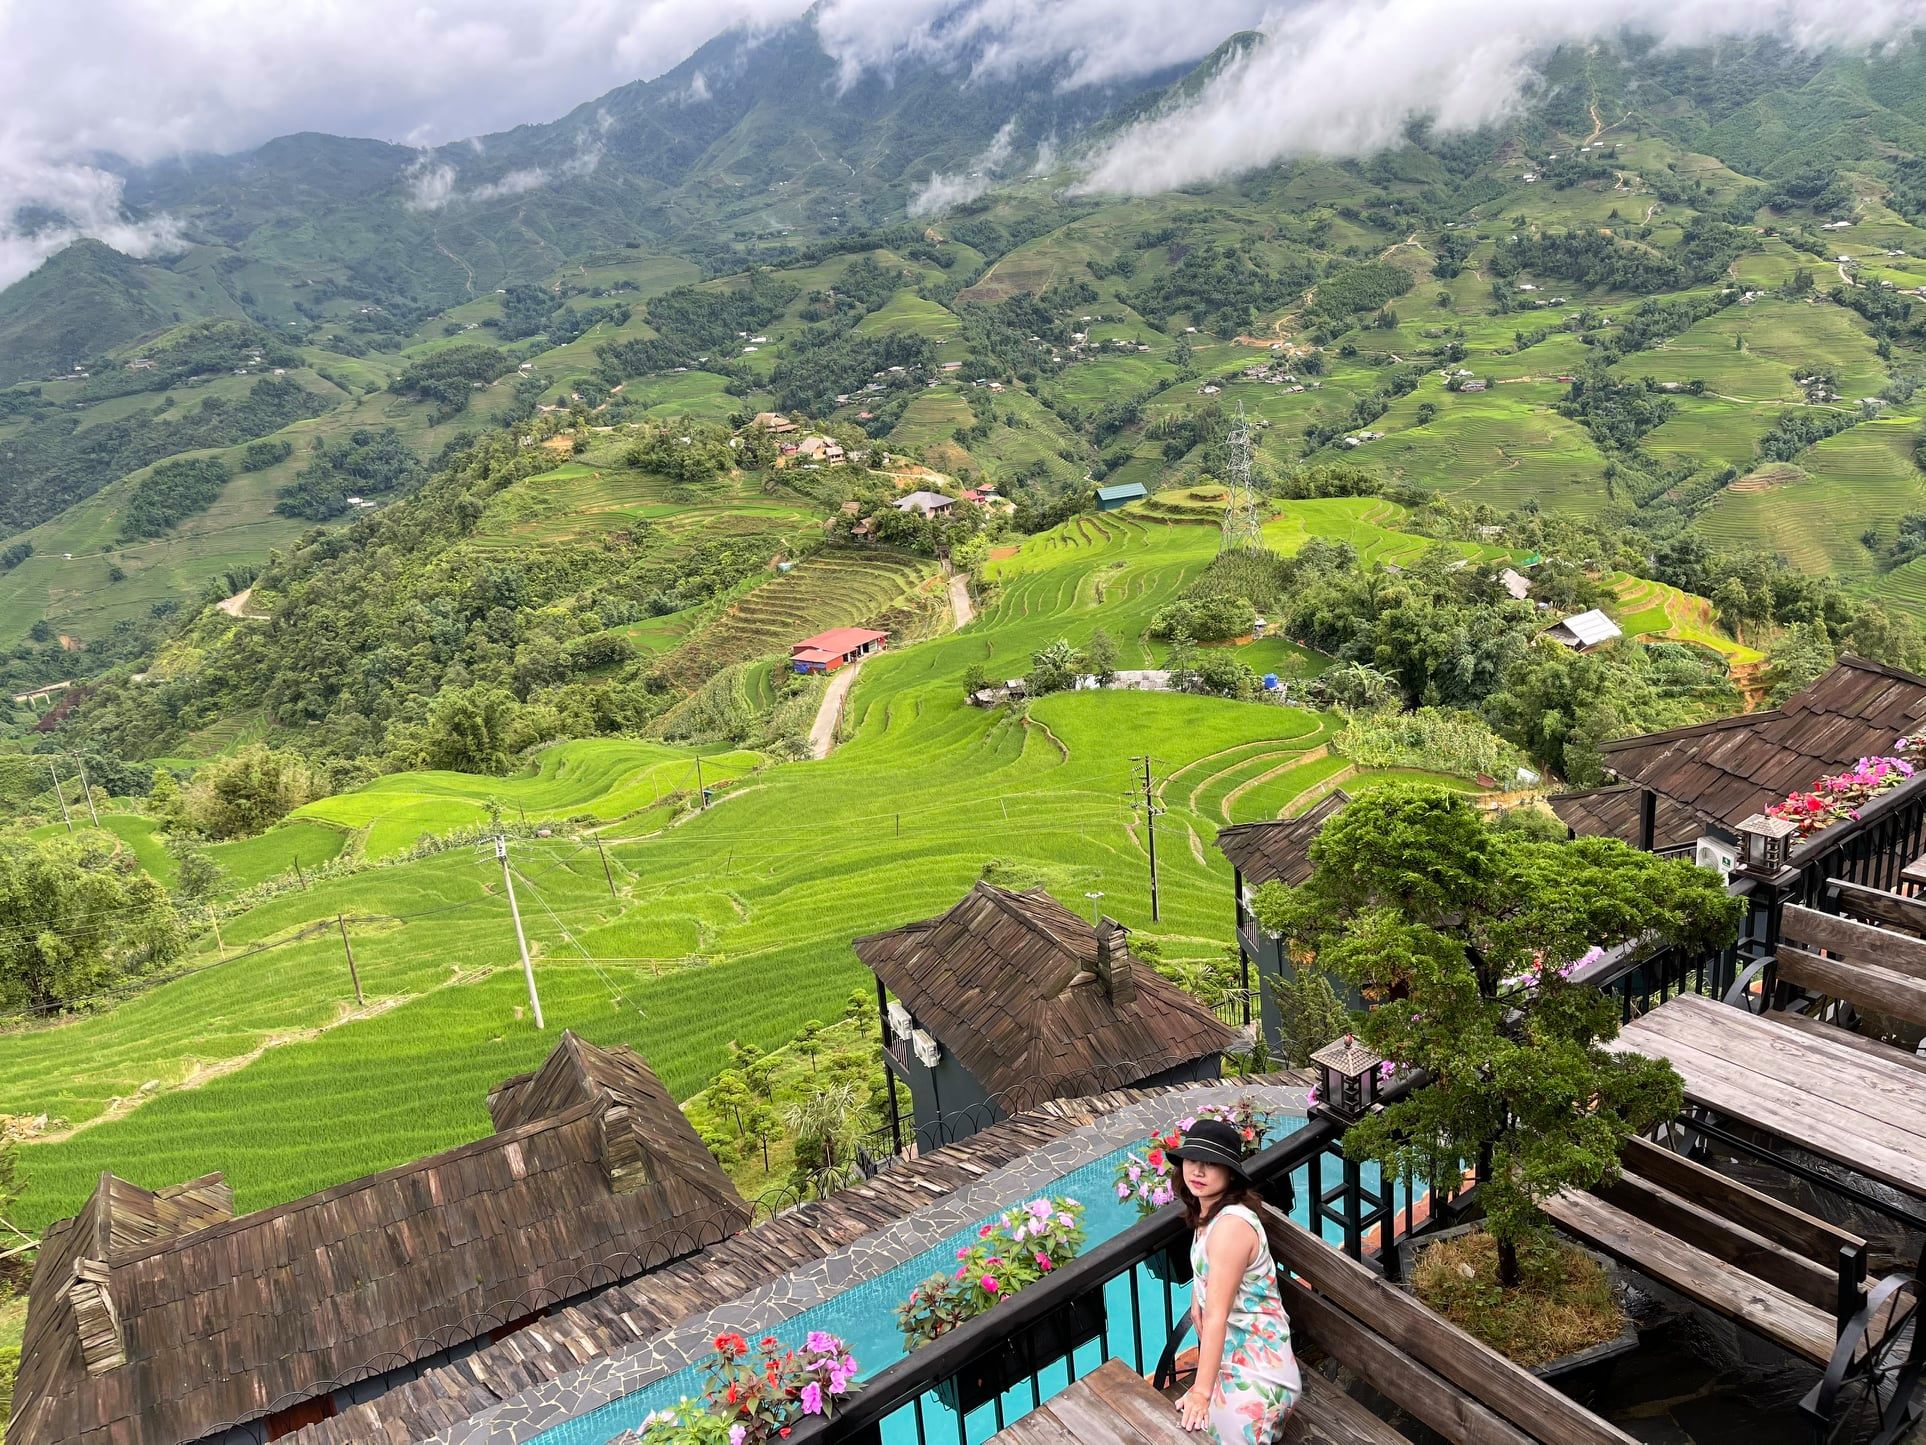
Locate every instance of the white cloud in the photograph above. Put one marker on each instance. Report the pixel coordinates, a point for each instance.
(1096, 40)
(1343, 77)
(954, 189)
(149, 79)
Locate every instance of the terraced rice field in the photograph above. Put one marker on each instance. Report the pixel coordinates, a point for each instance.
(842, 587)
(1653, 609)
(729, 923)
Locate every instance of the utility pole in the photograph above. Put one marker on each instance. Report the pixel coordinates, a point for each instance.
(219, 943)
(348, 949)
(514, 909)
(604, 855)
(85, 791)
(702, 793)
(299, 874)
(66, 817)
(1151, 810)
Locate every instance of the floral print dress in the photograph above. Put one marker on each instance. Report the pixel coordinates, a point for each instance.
(1258, 1381)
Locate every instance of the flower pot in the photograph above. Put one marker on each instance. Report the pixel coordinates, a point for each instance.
(1171, 1266)
(1024, 1353)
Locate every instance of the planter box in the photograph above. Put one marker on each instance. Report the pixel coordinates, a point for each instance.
(1171, 1266)
(1583, 1374)
(1020, 1356)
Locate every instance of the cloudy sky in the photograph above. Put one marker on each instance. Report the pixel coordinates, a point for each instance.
(145, 79)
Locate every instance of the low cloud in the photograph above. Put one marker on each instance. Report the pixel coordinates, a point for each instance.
(434, 185)
(1093, 41)
(47, 205)
(946, 191)
(1344, 77)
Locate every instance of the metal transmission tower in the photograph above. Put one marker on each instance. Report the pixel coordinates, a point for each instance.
(1243, 523)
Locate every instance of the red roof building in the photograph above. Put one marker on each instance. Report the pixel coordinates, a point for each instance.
(828, 651)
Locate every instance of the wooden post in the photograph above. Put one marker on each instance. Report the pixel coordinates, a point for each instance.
(215, 919)
(702, 793)
(602, 853)
(65, 816)
(299, 874)
(348, 949)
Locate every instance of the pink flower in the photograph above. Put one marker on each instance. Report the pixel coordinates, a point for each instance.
(822, 1343)
(986, 1231)
(812, 1398)
(1038, 1209)
(1123, 1191)
(990, 1285)
(1043, 1262)
(738, 1434)
(1162, 1196)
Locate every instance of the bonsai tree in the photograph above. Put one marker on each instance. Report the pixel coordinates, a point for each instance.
(1462, 939)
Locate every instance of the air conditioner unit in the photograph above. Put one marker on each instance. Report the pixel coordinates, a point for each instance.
(928, 1052)
(1714, 853)
(899, 1020)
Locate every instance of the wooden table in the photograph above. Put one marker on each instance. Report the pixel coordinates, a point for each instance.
(1818, 1093)
(1915, 872)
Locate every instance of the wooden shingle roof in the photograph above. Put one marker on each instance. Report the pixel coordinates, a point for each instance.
(1278, 851)
(1725, 771)
(1012, 985)
(1612, 812)
(156, 1318)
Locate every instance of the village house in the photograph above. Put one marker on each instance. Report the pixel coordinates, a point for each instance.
(835, 649)
(1009, 1000)
(1584, 631)
(774, 422)
(1109, 499)
(1516, 583)
(925, 504)
(159, 1317)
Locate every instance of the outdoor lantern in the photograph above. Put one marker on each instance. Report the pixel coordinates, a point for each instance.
(899, 1020)
(1347, 1078)
(1766, 842)
(928, 1051)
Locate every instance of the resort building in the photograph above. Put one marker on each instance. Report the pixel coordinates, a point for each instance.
(158, 1317)
(1272, 852)
(1010, 999)
(1688, 789)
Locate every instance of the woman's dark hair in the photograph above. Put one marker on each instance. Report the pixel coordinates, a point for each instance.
(1238, 1193)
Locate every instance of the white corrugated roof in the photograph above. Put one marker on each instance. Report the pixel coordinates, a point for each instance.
(1591, 628)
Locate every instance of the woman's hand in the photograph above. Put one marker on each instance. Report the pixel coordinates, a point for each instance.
(1194, 1405)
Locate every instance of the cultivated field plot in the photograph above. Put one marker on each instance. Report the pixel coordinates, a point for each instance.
(1653, 609)
(1862, 478)
(1498, 446)
(906, 311)
(1780, 338)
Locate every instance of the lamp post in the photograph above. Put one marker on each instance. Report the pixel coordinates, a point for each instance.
(1347, 1091)
(1095, 899)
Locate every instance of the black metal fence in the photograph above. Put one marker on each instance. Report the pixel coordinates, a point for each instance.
(1122, 1299)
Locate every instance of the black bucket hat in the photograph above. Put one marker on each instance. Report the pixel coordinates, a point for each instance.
(1214, 1141)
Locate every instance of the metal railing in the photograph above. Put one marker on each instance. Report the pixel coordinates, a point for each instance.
(1119, 1300)
(1234, 1008)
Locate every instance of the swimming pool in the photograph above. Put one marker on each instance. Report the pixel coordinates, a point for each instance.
(864, 1315)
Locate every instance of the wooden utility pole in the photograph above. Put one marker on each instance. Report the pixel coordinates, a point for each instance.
(299, 874)
(348, 949)
(219, 943)
(1150, 833)
(515, 912)
(606, 873)
(85, 791)
(702, 793)
(65, 816)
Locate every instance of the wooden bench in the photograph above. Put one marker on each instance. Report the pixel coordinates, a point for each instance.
(1431, 1370)
(1830, 971)
(1789, 1278)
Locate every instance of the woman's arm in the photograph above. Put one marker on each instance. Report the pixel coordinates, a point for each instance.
(1230, 1252)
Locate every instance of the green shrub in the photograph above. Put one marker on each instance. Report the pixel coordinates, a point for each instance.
(1439, 740)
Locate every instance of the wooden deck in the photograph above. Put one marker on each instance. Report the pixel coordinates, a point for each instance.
(1802, 1085)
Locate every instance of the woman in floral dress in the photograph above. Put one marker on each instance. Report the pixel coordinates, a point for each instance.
(1247, 1377)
